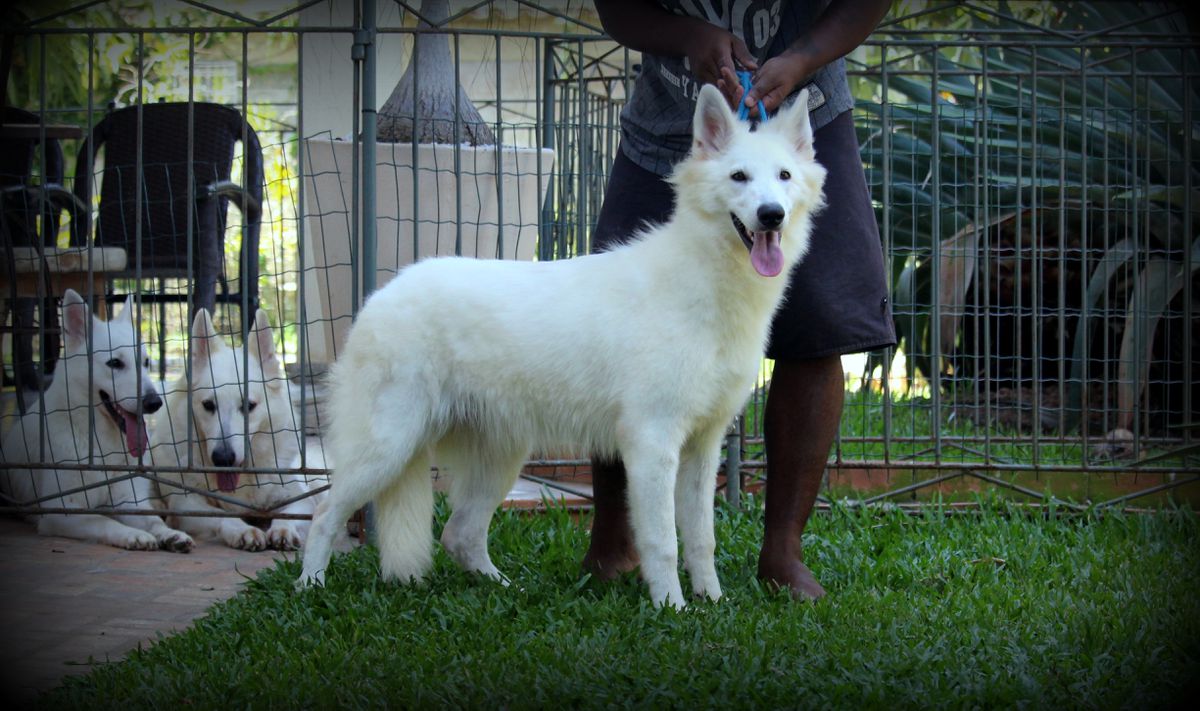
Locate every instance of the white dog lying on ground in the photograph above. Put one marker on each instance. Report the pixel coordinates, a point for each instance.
(236, 423)
(646, 351)
(104, 391)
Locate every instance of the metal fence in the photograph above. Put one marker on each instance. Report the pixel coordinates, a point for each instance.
(1033, 175)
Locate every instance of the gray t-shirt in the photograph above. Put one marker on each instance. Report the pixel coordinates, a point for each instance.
(656, 123)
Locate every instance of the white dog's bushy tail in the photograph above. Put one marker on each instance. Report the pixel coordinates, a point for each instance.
(379, 442)
(404, 524)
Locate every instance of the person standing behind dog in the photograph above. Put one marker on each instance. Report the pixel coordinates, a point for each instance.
(837, 301)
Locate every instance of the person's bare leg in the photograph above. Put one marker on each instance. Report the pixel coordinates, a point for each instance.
(804, 407)
(611, 551)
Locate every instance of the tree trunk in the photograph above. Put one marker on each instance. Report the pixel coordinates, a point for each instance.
(421, 109)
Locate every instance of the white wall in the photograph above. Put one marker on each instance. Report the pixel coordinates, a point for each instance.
(328, 71)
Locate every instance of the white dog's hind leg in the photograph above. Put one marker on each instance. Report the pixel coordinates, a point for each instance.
(94, 527)
(481, 476)
(319, 546)
(400, 485)
(694, 511)
(651, 469)
(378, 441)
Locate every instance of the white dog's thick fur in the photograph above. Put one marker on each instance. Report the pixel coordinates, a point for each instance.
(236, 422)
(106, 403)
(646, 351)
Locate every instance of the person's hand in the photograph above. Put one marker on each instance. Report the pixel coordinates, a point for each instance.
(778, 77)
(731, 87)
(714, 55)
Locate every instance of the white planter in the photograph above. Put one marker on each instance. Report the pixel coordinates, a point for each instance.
(500, 209)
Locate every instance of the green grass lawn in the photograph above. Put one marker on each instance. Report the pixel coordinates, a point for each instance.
(996, 608)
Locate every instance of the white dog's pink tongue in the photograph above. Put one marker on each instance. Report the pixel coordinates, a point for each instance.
(227, 481)
(136, 440)
(765, 255)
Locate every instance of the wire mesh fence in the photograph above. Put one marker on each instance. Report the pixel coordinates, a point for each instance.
(1033, 174)
(177, 401)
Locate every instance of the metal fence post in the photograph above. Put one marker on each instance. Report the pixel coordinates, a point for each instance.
(733, 463)
(546, 231)
(365, 47)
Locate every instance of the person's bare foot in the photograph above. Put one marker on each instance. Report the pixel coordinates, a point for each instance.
(793, 575)
(608, 560)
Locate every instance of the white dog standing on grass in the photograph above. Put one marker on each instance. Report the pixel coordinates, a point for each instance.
(647, 351)
(104, 391)
(236, 423)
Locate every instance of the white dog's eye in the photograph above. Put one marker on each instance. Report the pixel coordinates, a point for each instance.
(739, 176)
(209, 406)
(249, 406)
(785, 175)
(115, 363)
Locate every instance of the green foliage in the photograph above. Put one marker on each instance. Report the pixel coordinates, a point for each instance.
(999, 608)
(147, 51)
(979, 154)
(69, 72)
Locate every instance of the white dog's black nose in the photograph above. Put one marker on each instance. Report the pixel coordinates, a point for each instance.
(151, 403)
(770, 216)
(223, 456)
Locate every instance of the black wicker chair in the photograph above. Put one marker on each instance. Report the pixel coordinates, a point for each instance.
(30, 213)
(175, 137)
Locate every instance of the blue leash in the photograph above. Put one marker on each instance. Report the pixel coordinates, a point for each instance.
(743, 110)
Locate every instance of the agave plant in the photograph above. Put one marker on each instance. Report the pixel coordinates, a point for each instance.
(1033, 193)
(427, 105)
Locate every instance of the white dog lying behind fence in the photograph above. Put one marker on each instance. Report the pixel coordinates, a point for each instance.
(646, 351)
(94, 415)
(241, 417)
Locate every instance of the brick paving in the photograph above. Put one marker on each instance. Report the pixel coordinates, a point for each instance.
(67, 606)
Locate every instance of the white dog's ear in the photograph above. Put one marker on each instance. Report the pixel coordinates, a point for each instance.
(75, 316)
(127, 310)
(795, 124)
(204, 337)
(714, 123)
(262, 345)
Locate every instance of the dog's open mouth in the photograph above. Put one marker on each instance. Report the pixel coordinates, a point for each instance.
(132, 426)
(227, 473)
(227, 481)
(765, 253)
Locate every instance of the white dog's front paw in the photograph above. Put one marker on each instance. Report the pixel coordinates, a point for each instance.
(710, 589)
(175, 541)
(283, 537)
(667, 594)
(247, 539)
(674, 600)
(310, 580)
(703, 574)
(138, 541)
(492, 573)
(663, 581)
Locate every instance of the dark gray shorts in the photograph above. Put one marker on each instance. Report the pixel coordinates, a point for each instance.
(837, 301)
